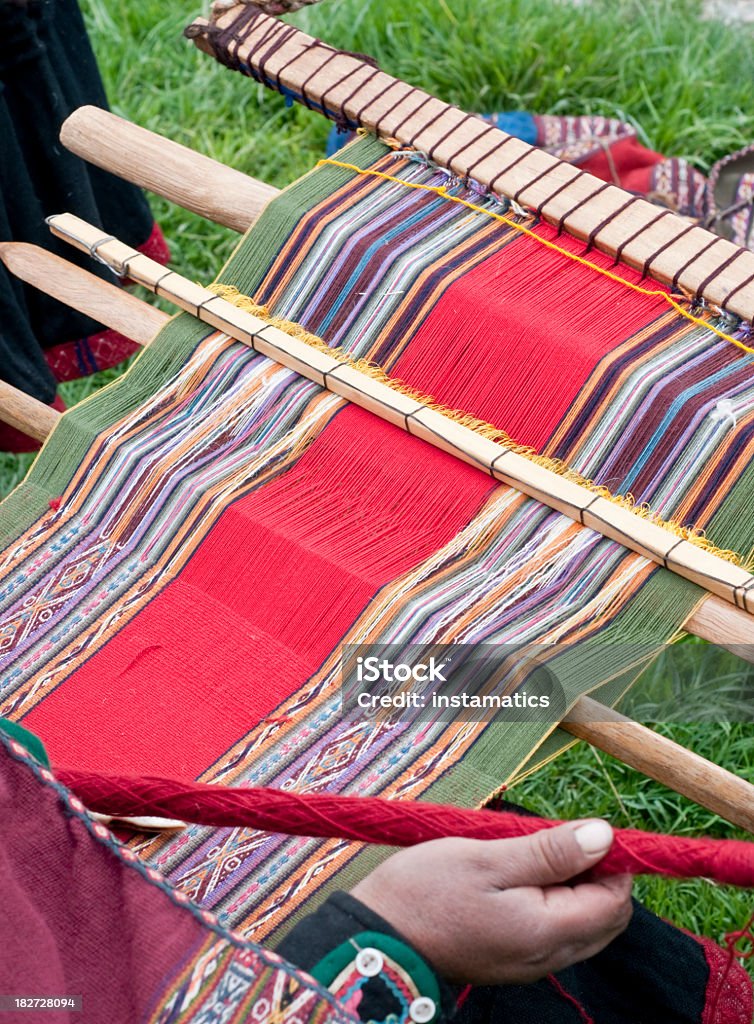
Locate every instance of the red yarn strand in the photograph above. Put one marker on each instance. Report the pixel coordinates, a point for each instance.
(733, 953)
(564, 994)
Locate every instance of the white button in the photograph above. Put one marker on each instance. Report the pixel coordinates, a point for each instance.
(370, 962)
(422, 1010)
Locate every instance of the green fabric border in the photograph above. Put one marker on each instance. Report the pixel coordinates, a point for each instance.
(27, 739)
(331, 965)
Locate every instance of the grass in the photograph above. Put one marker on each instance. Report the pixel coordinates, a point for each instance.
(680, 80)
(584, 782)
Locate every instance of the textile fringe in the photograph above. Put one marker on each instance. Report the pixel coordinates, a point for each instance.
(487, 430)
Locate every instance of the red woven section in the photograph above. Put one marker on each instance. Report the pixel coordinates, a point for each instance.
(221, 647)
(394, 823)
(521, 385)
(729, 992)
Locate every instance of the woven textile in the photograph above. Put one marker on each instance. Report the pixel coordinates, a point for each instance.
(89, 920)
(224, 526)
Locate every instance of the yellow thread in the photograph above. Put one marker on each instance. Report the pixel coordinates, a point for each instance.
(488, 430)
(442, 191)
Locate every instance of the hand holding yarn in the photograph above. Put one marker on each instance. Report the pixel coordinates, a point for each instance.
(502, 911)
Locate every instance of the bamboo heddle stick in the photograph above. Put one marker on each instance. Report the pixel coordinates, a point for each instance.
(649, 539)
(353, 91)
(700, 780)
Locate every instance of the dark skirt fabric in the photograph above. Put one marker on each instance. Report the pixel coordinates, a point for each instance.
(47, 70)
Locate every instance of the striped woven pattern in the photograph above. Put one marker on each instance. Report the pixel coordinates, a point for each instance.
(221, 527)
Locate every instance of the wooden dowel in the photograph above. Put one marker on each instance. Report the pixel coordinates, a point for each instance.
(25, 413)
(82, 291)
(77, 288)
(709, 785)
(189, 179)
(108, 304)
(665, 761)
(350, 89)
(731, 628)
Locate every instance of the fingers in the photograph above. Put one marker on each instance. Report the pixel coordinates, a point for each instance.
(556, 927)
(549, 856)
(482, 912)
(586, 915)
(585, 911)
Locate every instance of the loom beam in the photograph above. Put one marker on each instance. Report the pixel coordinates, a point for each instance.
(350, 90)
(185, 177)
(108, 304)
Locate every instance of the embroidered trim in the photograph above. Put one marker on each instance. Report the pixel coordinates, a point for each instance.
(401, 970)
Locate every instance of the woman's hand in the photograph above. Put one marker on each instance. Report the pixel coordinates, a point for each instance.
(497, 912)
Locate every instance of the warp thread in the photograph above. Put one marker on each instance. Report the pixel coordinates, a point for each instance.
(393, 823)
(693, 534)
(659, 293)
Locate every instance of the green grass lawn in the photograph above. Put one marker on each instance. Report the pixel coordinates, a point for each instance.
(684, 83)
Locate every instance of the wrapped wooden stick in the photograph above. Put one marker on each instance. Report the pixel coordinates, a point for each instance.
(351, 91)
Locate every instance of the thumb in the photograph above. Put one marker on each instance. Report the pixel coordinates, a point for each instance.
(553, 855)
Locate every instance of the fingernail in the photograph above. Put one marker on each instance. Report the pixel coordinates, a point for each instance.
(594, 837)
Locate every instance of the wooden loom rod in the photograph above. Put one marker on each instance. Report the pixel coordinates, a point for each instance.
(108, 304)
(25, 413)
(353, 91)
(650, 539)
(700, 780)
(185, 177)
(181, 175)
(660, 758)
